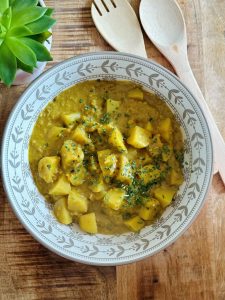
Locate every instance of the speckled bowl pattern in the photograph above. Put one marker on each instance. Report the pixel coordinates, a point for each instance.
(35, 213)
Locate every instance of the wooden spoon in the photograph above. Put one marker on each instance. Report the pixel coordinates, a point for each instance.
(164, 24)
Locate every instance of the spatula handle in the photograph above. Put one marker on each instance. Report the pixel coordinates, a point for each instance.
(187, 76)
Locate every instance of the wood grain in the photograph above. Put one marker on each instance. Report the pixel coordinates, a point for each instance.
(191, 268)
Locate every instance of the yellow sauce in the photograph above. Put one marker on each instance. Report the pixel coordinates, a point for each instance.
(126, 187)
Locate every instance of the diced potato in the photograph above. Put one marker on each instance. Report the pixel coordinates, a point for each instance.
(102, 156)
(107, 162)
(77, 176)
(125, 173)
(56, 133)
(110, 165)
(61, 187)
(165, 195)
(176, 177)
(165, 129)
(97, 185)
(88, 223)
(61, 212)
(70, 119)
(77, 203)
(97, 196)
(155, 146)
(116, 140)
(149, 173)
(48, 168)
(92, 164)
(139, 137)
(71, 154)
(166, 152)
(89, 123)
(106, 130)
(151, 209)
(80, 135)
(114, 198)
(96, 102)
(112, 105)
(132, 153)
(149, 127)
(135, 224)
(136, 94)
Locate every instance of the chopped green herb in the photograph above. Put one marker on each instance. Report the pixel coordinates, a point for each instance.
(105, 119)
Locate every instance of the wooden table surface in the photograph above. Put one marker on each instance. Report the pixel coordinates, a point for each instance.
(192, 268)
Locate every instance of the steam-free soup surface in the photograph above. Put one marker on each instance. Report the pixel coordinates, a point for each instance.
(108, 156)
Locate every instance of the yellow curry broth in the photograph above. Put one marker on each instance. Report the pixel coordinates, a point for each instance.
(140, 173)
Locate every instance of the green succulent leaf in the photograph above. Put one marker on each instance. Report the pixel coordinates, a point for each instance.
(42, 37)
(3, 31)
(49, 12)
(41, 52)
(4, 4)
(41, 25)
(19, 31)
(24, 27)
(22, 51)
(27, 15)
(24, 67)
(22, 4)
(8, 65)
(6, 18)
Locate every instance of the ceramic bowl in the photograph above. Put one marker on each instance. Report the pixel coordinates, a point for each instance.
(35, 213)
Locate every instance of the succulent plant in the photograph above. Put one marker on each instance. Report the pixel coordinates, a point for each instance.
(24, 26)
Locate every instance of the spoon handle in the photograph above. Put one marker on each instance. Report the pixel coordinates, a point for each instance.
(187, 76)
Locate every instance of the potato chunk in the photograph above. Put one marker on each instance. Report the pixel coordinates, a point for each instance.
(106, 130)
(77, 203)
(48, 168)
(176, 177)
(116, 140)
(56, 133)
(71, 154)
(88, 223)
(92, 164)
(112, 105)
(70, 119)
(135, 224)
(80, 135)
(155, 146)
(150, 210)
(61, 187)
(139, 137)
(165, 195)
(149, 127)
(114, 198)
(89, 123)
(125, 171)
(165, 129)
(108, 162)
(97, 185)
(149, 173)
(61, 212)
(77, 175)
(166, 152)
(136, 94)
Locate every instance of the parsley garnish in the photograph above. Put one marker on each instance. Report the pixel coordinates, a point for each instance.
(105, 119)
